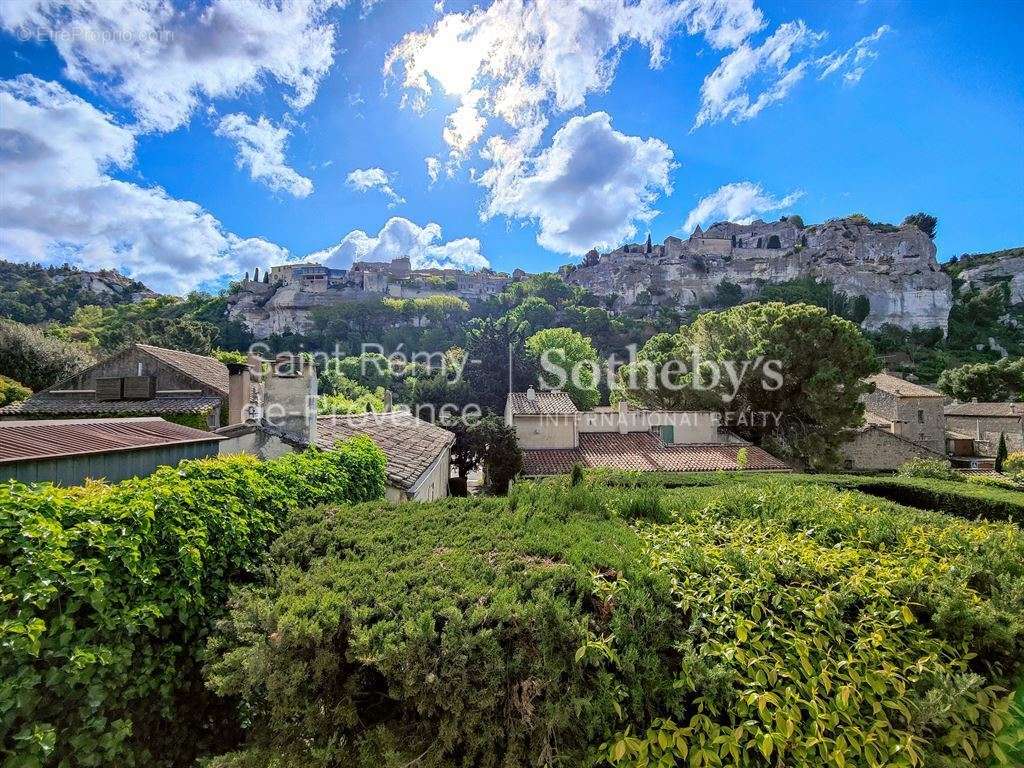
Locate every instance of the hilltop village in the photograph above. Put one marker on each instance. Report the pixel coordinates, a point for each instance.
(893, 267)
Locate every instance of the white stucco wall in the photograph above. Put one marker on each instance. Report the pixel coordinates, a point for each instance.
(547, 431)
(690, 426)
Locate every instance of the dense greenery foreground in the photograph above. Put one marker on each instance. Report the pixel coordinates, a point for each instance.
(754, 621)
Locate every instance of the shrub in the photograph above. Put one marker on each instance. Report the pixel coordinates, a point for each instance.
(954, 498)
(12, 392)
(1014, 463)
(472, 632)
(825, 628)
(768, 623)
(107, 593)
(937, 469)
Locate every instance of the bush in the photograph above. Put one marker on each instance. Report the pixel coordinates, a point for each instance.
(107, 593)
(472, 632)
(768, 623)
(954, 498)
(937, 469)
(825, 628)
(1014, 463)
(12, 392)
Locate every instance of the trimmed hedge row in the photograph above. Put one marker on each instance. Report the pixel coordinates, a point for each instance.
(107, 593)
(569, 625)
(963, 499)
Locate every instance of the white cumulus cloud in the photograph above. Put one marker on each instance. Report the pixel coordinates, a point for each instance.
(260, 146)
(163, 59)
(754, 77)
(520, 59)
(854, 61)
(365, 179)
(61, 202)
(401, 237)
(740, 202)
(433, 169)
(587, 190)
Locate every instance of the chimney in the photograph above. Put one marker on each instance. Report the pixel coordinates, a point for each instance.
(531, 394)
(389, 401)
(239, 387)
(289, 397)
(974, 399)
(623, 410)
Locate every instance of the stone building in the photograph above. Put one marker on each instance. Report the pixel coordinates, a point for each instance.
(984, 422)
(554, 436)
(141, 380)
(876, 448)
(910, 411)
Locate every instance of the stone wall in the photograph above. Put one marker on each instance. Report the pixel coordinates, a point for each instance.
(875, 449)
(918, 419)
(988, 429)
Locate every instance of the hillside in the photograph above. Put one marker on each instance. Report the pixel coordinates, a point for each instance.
(30, 293)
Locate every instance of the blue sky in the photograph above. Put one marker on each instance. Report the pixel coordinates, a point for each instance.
(187, 146)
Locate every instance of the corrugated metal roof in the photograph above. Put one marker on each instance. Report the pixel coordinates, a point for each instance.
(55, 438)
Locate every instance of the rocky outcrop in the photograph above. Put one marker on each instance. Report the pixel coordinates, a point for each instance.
(894, 267)
(984, 270)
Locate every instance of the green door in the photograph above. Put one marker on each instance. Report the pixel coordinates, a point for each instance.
(668, 434)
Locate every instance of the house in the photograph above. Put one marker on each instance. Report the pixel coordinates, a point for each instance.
(67, 451)
(984, 422)
(141, 380)
(909, 410)
(876, 447)
(418, 453)
(554, 436)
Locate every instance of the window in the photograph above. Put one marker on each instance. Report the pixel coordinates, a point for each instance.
(848, 464)
(920, 416)
(668, 433)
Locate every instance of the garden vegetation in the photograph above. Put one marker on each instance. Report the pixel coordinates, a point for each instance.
(108, 592)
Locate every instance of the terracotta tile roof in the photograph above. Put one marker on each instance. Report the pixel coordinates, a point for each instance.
(1007, 410)
(208, 370)
(874, 420)
(885, 382)
(410, 444)
(644, 452)
(541, 403)
(47, 439)
(60, 405)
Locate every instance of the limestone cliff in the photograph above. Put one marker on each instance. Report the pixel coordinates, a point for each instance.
(982, 270)
(894, 267)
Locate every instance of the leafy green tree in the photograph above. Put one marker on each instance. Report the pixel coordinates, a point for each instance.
(574, 355)
(727, 294)
(988, 382)
(923, 221)
(536, 312)
(38, 361)
(795, 362)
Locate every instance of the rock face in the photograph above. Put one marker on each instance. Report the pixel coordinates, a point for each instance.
(894, 267)
(984, 270)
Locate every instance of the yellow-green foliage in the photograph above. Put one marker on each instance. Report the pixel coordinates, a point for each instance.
(766, 624)
(107, 593)
(1014, 463)
(826, 628)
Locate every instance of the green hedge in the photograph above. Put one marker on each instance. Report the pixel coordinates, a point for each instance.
(107, 593)
(768, 624)
(960, 498)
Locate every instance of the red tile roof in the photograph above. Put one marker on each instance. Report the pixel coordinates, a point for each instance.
(644, 452)
(541, 403)
(45, 404)
(47, 439)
